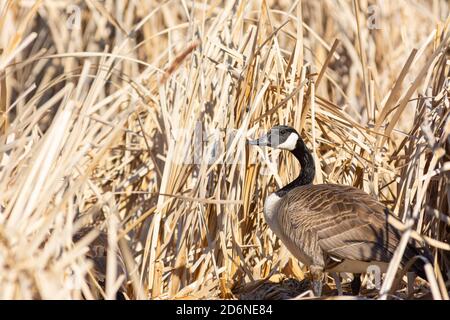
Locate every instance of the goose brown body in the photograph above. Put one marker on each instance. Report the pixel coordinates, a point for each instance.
(336, 227)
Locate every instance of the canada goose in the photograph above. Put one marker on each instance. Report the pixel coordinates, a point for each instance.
(328, 227)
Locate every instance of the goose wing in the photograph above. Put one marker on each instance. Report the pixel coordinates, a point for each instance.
(344, 222)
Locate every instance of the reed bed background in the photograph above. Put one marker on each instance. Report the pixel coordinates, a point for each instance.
(123, 163)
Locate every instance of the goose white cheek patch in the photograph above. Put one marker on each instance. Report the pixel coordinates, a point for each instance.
(290, 142)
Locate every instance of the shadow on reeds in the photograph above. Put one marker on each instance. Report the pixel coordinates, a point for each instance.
(266, 289)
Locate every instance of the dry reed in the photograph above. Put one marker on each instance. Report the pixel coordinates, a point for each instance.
(126, 121)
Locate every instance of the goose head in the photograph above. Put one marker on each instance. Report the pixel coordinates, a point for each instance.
(279, 137)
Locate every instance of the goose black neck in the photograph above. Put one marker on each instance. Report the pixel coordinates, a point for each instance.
(308, 169)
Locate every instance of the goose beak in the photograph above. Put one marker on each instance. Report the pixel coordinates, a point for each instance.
(263, 141)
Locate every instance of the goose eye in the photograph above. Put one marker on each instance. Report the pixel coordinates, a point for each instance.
(283, 131)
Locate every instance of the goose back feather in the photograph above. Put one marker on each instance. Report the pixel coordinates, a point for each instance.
(331, 223)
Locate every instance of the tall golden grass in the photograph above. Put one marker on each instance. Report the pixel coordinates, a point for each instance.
(123, 126)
